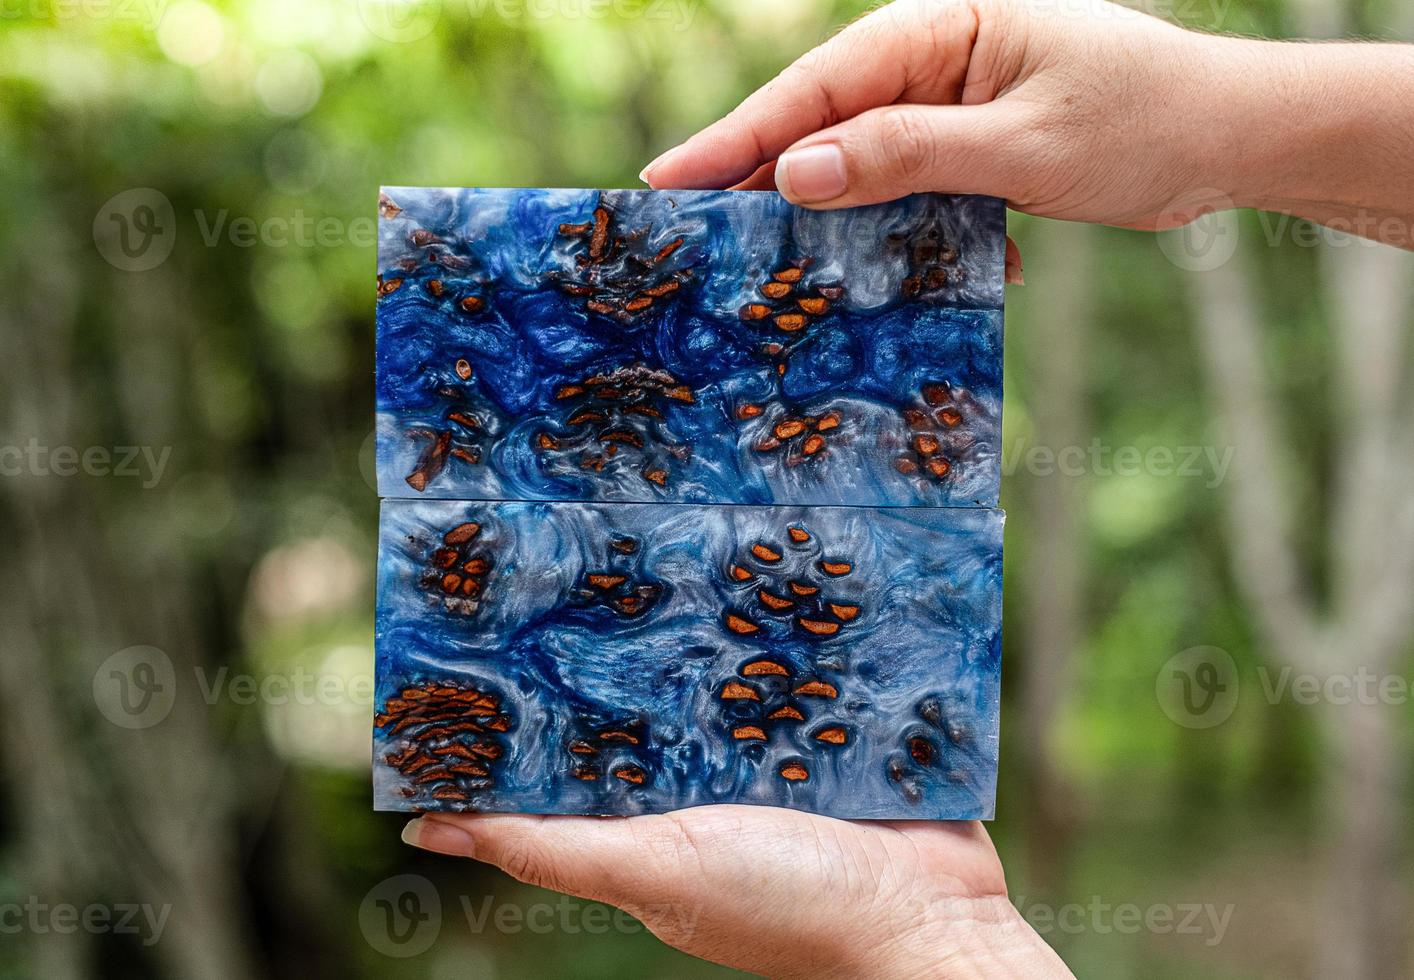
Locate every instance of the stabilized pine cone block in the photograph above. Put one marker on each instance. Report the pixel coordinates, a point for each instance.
(688, 347)
(633, 658)
(689, 500)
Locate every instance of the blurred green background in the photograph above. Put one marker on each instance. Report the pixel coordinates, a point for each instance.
(1237, 494)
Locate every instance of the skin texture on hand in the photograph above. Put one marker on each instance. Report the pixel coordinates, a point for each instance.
(773, 891)
(1073, 109)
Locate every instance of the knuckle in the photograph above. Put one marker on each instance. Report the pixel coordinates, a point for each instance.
(812, 73)
(906, 146)
(522, 860)
(677, 846)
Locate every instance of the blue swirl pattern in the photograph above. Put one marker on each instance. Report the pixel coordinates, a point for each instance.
(632, 658)
(716, 321)
(704, 492)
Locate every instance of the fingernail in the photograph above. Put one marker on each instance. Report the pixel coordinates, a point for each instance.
(656, 161)
(438, 836)
(812, 173)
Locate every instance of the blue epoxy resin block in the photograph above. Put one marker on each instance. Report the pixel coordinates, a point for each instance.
(632, 658)
(698, 495)
(688, 346)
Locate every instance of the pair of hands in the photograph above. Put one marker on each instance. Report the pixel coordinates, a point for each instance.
(1073, 109)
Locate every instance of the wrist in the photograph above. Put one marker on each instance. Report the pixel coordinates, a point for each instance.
(1307, 129)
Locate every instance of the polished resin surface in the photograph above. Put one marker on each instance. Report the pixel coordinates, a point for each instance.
(688, 346)
(631, 658)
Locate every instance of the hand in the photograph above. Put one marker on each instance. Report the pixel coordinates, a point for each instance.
(1075, 109)
(774, 891)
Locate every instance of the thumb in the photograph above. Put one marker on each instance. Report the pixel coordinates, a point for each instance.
(888, 153)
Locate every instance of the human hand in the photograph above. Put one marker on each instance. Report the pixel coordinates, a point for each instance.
(1075, 109)
(774, 891)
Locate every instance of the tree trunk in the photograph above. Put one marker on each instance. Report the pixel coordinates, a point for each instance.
(1056, 570)
(1364, 901)
(109, 814)
(1368, 622)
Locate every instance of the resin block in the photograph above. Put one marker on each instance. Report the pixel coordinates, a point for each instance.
(688, 346)
(620, 658)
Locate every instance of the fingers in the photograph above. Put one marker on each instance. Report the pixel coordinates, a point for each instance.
(723, 882)
(773, 891)
(907, 50)
(894, 151)
(764, 179)
(656, 859)
(607, 859)
(1015, 276)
